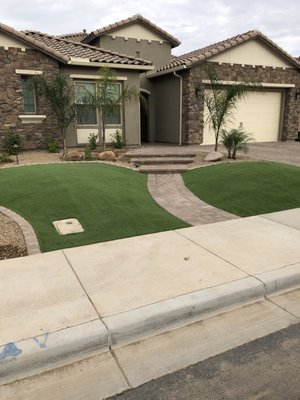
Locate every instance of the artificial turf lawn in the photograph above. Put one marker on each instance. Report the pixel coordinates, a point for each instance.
(110, 202)
(247, 188)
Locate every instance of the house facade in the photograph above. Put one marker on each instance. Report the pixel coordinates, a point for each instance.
(173, 88)
(26, 54)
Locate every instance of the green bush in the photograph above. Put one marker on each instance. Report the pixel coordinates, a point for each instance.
(10, 141)
(93, 141)
(4, 158)
(87, 153)
(118, 141)
(51, 143)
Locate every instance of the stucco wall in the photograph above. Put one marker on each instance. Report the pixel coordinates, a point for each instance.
(11, 98)
(157, 52)
(193, 106)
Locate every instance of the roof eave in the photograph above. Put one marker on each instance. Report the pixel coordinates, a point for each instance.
(34, 43)
(111, 65)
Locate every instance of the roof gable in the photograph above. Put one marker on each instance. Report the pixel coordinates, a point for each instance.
(7, 41)
(68, 51)
(253, 52)
(132, 27)
(211, 52)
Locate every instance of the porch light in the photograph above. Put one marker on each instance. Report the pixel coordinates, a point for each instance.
(297, 94)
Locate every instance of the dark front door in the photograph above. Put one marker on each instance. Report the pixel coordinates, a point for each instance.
(145, 118)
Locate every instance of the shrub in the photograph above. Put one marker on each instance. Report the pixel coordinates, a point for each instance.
(5, 158)
(235, 140)
(93, 141)
(87, 153)
(118, 141)
(10, 141)
(52, 144)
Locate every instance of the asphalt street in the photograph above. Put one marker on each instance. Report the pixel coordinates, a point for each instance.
(265, 369)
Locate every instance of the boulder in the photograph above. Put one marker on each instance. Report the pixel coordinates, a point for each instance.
(74, 156)
(214, 156)
(107, 156)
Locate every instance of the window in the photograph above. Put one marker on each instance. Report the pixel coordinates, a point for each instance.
(86, 113)
(28, 95)
(114, 117)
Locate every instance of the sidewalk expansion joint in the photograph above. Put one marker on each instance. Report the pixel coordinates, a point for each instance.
(282, 308)
(88, 296)
(109, 339)
(214, 254)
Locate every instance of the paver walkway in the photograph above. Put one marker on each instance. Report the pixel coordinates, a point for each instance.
(169, 191)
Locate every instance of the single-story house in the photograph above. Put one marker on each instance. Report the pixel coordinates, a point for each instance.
(173, 88)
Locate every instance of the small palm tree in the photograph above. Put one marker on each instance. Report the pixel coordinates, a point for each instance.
(235, 140)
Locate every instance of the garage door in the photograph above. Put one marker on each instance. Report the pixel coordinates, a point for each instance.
(258, 113)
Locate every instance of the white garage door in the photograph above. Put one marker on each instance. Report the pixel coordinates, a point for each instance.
(258, 113)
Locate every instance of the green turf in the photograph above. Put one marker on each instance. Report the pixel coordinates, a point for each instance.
(110, 202)
(247, 188)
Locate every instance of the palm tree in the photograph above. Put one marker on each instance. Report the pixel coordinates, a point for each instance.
(235, 140)
(59, 94)
(221, 101)
(107, 98)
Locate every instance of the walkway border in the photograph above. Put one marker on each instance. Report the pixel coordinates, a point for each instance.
(30, 237)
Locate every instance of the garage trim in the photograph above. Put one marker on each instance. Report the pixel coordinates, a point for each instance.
(262, 84)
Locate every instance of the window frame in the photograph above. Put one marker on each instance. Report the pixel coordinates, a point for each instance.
(96, 111)
(25, 78)
(119, 84)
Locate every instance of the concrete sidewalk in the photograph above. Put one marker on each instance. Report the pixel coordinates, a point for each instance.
(92, 302)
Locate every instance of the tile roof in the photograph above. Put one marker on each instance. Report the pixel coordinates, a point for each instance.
(194, 57)
(129, 21)
(69, 48)
(74, 37)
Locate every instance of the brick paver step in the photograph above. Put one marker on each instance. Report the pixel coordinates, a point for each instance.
(161, 160)
(163, 168)
(144, 154)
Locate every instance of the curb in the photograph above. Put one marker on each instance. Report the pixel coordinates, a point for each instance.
(33, 355)
(36, 354)
(30, 238)
(130, 326)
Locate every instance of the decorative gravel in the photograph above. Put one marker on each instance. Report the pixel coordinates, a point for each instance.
(12, 242)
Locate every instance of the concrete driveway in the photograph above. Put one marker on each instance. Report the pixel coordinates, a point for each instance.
(284, 152)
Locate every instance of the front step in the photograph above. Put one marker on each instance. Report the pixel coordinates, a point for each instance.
(159, 155)
(163, 168)
(161, 160)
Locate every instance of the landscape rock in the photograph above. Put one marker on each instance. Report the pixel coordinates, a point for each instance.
(74, 156)
(107, 156)
(214, 156)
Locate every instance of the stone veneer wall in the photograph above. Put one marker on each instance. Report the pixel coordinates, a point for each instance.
(193, 107)
(11, 98)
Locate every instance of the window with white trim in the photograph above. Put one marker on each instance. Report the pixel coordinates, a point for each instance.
(29, 99)
(114, 118)
(86, 112)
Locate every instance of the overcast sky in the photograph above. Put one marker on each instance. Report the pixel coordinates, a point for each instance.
(196, 23)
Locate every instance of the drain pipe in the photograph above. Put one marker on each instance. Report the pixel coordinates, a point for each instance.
(180, 106)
